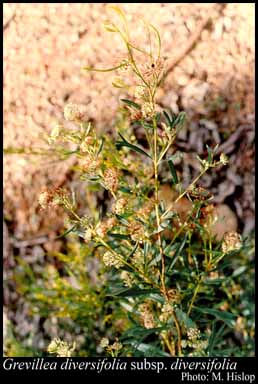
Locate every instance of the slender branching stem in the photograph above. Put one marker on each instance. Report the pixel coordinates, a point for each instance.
(120, 258)
(185, 191)
(156, 186)
(194, 297)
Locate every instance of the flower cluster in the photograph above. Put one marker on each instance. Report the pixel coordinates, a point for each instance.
(52, 198)
(110, 179)
(166, 312)
(112, 349)
(103, 227)
(147, 316)
(231, 242)
(119, 206)
(111, 260)
(137, 231)
(61, 348)
(86, 143)
(55, 133)
(148, 110)
(74, 112)
(127, 278)
(90, 164)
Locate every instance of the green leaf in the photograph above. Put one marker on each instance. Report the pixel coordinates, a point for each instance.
(102, 70)
(122, 219)
(155, 260)
(158, 116)
(125, 190)
(131, 104)
(158, 38)
(179, 120)
(146, 250)
(101, 146)
(79, 233)
(227, 317)
(133, 250)
(169, 215)
(169, 248)
(162, 226)
(140, 332)
(147, 125)
(215, 335)
(173, 171)
(184, 318)
(178, 252)
(119, 236)
(157, 297)
(210, 154)
(239, 271)
(130, 292)
(125, 143)
(93, 178)
(66, 232)
(149, 350)
(175, 120)
(167, 118)
(214, 281)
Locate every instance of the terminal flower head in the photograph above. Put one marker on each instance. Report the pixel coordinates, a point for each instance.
(74, 112)
(231, 242)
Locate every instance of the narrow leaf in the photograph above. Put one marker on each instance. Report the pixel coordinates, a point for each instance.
(131, 104)
(102, 70)
(119, 236)
(133, 251)
(178, 252)
(125, 143)
(131, 292)
(173, 171)
(145, 253)
(66, 232)
(101, 146)
(209, 153)
(125, 190)
(227, 317)
(140, 332)
(149, 350)
(122, 220)
(215, 335)
(185, 319)
(167, 118)
(179, 120)
(158, 38)
(239, 271)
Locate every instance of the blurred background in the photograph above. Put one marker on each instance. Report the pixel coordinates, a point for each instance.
(210, 50)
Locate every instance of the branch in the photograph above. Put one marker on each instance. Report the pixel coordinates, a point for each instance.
(188, 47)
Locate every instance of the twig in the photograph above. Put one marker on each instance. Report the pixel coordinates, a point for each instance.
(8, 22)
(29, 242)
(188, 47)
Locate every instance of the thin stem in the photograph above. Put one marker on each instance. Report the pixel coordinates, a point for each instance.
(164, 290)
(191, 185)
(186, 190)
(194, 297)
(170, 348)
(166, 149)
(178, 333)
(128, 264)
(210, 249)
(155, 165)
